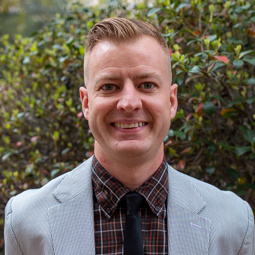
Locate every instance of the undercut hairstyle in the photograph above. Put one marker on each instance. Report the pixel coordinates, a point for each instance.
(122, 30)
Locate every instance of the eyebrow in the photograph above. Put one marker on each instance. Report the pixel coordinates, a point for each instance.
(145, 75)
(110, 77)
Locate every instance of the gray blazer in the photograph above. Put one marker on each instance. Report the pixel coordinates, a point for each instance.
(58, 218)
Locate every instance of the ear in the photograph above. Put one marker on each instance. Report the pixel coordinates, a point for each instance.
(173, 100)
(84, 102)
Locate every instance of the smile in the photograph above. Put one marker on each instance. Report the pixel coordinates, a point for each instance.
(129, 125)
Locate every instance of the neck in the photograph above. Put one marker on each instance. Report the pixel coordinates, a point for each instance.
(131, 172)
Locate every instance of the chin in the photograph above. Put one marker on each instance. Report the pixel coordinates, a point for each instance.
(131, 151)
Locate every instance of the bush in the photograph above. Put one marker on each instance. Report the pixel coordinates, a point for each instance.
(43, 133)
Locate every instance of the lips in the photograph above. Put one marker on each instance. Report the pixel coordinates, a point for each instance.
(129, 125)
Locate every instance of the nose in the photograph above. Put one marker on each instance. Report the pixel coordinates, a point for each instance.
(129, 99)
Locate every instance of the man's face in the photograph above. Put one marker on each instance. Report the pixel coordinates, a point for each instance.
(128, 99)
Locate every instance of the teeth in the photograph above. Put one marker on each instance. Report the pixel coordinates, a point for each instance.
(131, 125)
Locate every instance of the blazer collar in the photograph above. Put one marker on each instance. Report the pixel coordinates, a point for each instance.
(72, 219)
(75, 182)
(181, 190)
(183, 193)
(188, 232)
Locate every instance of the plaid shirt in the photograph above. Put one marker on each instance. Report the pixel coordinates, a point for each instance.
(110, 212)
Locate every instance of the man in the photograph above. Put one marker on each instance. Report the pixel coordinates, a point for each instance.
(129, 101)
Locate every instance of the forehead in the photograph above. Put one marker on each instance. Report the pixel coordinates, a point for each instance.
(142, 53)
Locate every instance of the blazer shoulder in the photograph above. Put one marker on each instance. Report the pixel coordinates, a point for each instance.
(232, 219)
(36, 199)
(26, 215)
(212, 195)
(26, 220)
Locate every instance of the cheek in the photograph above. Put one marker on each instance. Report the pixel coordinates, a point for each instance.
(161, 107)
(100, 109)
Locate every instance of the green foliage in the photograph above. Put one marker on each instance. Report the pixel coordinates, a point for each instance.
(212, 137)
(213, 58)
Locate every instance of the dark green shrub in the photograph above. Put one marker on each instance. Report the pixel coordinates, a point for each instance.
(43, 134)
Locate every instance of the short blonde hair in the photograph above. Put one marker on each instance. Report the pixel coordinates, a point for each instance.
(120, 30)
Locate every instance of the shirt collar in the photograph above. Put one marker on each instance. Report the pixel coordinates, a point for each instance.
(109, 191)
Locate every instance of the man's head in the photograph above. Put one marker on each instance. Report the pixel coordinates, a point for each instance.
(119, 30)
(129, 100)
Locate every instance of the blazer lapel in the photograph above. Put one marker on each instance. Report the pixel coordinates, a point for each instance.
(72, 220)
(188, 233)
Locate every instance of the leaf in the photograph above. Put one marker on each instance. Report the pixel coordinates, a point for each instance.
(195, 70)
(153, 11)
(70, 41)
(187, 127)
(180, 134)
(55, 135)
(242, 149)
(29, 169)
(190, 41)
(250, 61)
(199, 108)
(26, 60)
(63, 59)
(63, 152)
(251, 81)
(54, 172)
(246, 7)
(189, 116)
(34, 139)
(211, 149)
(232, 173)
(179, 114)
(7, 155)
(247, 133)
(211, 37)
(210, 169)
(209, 108)
(81, 50)
(224, 59)
(226, 113)
(188, 150)
(238, 64)
(245, 53)
(236, 102)
(218, 65)
(171, 132)
(90, 24)
(241, 193)
(250, 100)
(57, 46)
(174, 57)
(181, 165)
(249, 185)
(181, 6)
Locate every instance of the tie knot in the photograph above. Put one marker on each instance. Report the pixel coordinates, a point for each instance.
(134, 201)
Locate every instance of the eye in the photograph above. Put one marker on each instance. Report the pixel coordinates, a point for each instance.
(109, 87)
(147, 86)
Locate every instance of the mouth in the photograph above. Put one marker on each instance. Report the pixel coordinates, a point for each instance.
(129, 125)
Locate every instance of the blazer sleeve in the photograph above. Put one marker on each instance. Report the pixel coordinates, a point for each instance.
(11, 245)
(248, 245)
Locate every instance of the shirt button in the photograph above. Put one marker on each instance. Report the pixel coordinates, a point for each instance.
(157, 208)
(108, 210)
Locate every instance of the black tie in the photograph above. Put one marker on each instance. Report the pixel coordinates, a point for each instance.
(133, 241)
